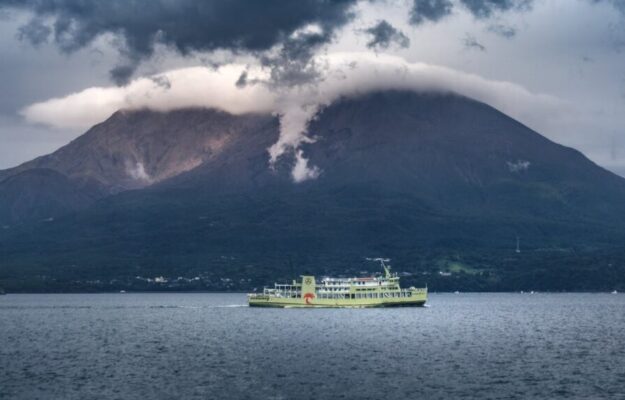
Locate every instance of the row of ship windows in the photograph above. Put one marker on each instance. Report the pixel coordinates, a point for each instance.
(364, 295)
(340, 289)
(350, 283)
(387, 288)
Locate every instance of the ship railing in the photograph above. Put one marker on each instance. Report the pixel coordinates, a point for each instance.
(282, 293)
(281, 286)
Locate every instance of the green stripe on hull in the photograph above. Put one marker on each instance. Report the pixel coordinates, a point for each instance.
(383, 305)
(413, 301)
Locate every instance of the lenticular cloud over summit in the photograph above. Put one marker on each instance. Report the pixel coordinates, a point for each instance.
(340, 74)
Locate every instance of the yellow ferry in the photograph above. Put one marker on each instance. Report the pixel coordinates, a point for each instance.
(375, 291)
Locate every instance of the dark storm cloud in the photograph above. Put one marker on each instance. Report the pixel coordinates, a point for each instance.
(294, 63)
(384, 34)
(502, 30)
(35, 31)
(486, 8)
(184, 25)
(242, 81)
(161, 81)
(470, 42)
(429, 10)
(435, 10)
(122, 73)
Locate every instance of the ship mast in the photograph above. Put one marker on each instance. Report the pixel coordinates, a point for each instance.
(387, 268)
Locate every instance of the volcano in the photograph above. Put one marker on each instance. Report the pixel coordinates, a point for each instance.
(443, 184)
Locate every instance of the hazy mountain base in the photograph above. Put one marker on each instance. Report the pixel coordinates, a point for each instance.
(545, 270)
(237, 246)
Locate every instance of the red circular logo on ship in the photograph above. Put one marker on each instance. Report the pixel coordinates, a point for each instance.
(308, 297)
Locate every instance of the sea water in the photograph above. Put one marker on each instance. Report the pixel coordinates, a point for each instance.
(212, 346)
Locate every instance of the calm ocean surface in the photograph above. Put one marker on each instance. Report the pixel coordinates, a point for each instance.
(211, 346)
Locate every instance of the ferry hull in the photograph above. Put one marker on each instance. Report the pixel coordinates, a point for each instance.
(295, 305)
(267, 301)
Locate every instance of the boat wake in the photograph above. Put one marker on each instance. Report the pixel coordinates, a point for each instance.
(229, 306)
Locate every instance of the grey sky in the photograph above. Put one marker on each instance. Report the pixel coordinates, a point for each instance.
(570, 49)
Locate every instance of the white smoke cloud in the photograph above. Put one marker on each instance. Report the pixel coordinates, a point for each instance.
(302, 171)
(187, 87)
(518, 166)
(342, 74)
(137, 172)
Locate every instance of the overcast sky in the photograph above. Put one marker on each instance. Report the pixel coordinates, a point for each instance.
(568, 53)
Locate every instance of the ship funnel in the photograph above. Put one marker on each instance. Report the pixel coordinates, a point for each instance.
(308, 288)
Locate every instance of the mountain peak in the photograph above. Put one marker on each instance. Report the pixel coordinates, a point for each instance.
(446, 149)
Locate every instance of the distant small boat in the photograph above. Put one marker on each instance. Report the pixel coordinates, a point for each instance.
(614, 292)
(456, 292)
(122, 291)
